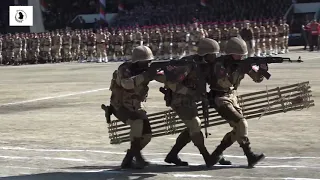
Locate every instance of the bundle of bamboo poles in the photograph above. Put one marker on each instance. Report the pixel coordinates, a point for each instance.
(254, 105)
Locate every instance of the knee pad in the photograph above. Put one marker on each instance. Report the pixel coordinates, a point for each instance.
(229, 113)
(194, 125)
(136, 128)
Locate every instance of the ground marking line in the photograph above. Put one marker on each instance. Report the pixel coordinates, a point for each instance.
(146, 154)
(44, 158)
(237, 177)
(60, 170)
(53, 97)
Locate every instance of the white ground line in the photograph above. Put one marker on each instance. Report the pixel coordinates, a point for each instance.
(145, 153)
(53, 97)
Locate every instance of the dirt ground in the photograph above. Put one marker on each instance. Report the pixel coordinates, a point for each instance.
(52, 127)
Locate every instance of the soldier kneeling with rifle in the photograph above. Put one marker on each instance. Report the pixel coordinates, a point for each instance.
(129, 87)
(181, 91)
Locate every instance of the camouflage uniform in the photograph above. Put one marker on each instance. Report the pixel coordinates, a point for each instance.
(24, 39)
(247, 35)
(256, 37)
(167, 43)
(156, 41)
(263, 34)
(92, 42)
(118, 41)
(182, 42)
(286, 37)
(66, 47)
(17, 49)
(225, 79)
(224, 37)
(129, 88)
(128, 44)
(101, 46)
(268, 38)
(274, 39)
(76, 40)
(56, 47)
(281, 28)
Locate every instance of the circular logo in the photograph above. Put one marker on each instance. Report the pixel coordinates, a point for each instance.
(20, 16)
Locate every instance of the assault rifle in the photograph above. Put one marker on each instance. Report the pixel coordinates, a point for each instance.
(196, 62)
(248, 62)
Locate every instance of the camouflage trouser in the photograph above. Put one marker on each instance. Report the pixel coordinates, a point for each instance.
(17, 54)
(286, 42)
(268, 45)
(83, 51)
(75, 50)
(56, 52)
(66, 51)
(118, 50)
(128, 48)
(223, 45)
(33, 54)
(167, 49)
(24, 54)
(192, 48)
(281, 42)
(155, 48)
(181, 47)
(262, 43)
(46, 53)
(91, 51)
(138, 122)
(229, 109)
(274, 44)
(250, 46)
(101, 50)
(257, 47)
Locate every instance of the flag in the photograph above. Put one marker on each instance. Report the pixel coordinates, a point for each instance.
(44, 6)
(203, 3)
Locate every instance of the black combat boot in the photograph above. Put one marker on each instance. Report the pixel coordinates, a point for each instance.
(140, 162)
(198, 141)
(182, 140)
(217, 156)
(127, 160)
(252, 158)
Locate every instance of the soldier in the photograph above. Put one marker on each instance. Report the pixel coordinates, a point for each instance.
(83, 46)
(109, 49)
(17, 48)
(263, 34)
(247, 35)
(274, 38)
(195, 35)
(118, 41)
(182, 36)
(146, 37)
(224, 37)
(268, 37)
(256, 37)
(216, 33)
(66, 46)
(226, 79)
(286, 37)
(92, 42)
(24, 48)
(167, 43)
(56, 46)
(281, 29)
(183, 99)
(76, 40)
(156, 41)
(101, 46)
(137, 38)
(233, 31)
(47, 48)
(128, 44)
(129, 87)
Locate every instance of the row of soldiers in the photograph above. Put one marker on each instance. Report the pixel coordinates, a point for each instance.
(129, 88)
(262, 38)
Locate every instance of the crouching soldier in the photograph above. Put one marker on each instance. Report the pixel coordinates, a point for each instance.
(182, 90)
(224, 81)
(129, 88)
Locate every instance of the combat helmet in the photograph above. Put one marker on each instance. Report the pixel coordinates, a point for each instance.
(142, 53)
(236, 46)
(208, 46)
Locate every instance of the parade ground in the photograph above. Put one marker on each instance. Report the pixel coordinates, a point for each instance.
(52, 128)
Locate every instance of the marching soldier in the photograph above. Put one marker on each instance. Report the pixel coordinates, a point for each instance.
(225, 80)
(128, 43)
(83, 46)
(47, 48)
(146, 37)
(24, 48)
(66, 42)
(281, 29)
(118, 41)
(195, 35)
(263, 34)
(101, 46)
(92, 42)
(247, 35)
(274, 38)
(183, 93)
(156, 41)
(182, 36)
(137, 38)
(224, 37)
(268, 37)
(129, 87)
(216, 33)
(17, 49)
(167, 43)
(56, 46)
(76, 40)
(256, 37)
(286, 37)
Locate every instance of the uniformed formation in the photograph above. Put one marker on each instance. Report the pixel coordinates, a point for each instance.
(181, 87)
(262, 38)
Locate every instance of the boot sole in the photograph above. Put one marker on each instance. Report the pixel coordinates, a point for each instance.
(261, 159)
(170, 162)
